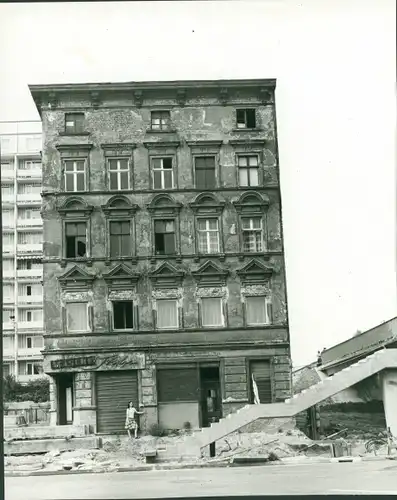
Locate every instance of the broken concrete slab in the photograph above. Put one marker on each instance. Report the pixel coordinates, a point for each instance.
(45, 432)
(45, 445)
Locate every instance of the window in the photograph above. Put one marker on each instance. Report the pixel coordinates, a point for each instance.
(208, 235)
(248, 170)
(29, 188)
(8, 315)
(29, 316)
(7, 217)
(167, 314)
(76, 239)
(26, 238)
(246, 118)
(205, 172)
(163, 175)
(257, 310)
(6, 370)
(74, 175)
(164, 237)
(119, 174)
(29, 213)
(74, 123)
(123, 315)
(30, 164)
(77, 317)
(211, 311)
(160, 120)
(33, 369)
(252, 234)
(7, 190)
(28, 264)
(30, 342)
(8, 239)
(8, 265)
(120, 238)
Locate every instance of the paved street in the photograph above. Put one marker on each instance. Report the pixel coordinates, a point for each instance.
(332, 478)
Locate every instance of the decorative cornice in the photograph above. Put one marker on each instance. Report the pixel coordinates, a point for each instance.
(161, 144)
(95, 98)
(266, 96)
(138, 98)
(247, 142)
(121, 277)
(127, 208)
(181, 97)
(254, 273)
(76, 278)
(52, 100)
(119, 145)
(251, 202)
(67, 148)
(224, 95)
(203, 144)
(75, 205)
(207, 203)
(169, 205)
(209, 274)
(166, 276)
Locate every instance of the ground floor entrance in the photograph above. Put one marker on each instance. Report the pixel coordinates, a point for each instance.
(65, 398)
(114, 390)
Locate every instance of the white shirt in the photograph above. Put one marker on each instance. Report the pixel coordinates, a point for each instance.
(131, 412)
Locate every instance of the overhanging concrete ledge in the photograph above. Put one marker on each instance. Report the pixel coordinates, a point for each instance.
(45, 445)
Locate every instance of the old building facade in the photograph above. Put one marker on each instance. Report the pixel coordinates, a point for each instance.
(164, 276)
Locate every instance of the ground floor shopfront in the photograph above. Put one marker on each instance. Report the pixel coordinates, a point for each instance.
(176, 389)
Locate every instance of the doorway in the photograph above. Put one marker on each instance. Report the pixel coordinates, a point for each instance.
(210, 390)
(65, 398)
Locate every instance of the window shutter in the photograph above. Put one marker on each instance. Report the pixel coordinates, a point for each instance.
(90, 318)
(136, 317)
(269, 309)
(64, 319)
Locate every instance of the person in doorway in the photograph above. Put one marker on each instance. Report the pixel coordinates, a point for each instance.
(130, 421)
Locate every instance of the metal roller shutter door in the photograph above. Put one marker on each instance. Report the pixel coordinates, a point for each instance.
(114, 390)
(180, 384)
(261, 371)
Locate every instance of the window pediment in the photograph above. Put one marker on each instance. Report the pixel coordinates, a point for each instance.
(205, 147)
(76, 278)
(119, 206)
(118, 149)
(121, 277)
(162, 146)
(75, 206)
(166, 276)
(210, 274)
(207, 203)
(251, 202)
(254, 272)
(163, 204)
(74, 150)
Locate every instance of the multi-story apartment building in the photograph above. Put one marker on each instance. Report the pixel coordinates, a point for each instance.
(22, 249)
(164, 276)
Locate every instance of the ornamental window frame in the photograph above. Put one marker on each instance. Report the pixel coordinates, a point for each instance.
(254, 147)
(119, 209)
(75, 210)
(252, 205)
(202, 149)
(164, 207)
(75, 153)
(119, 151)
(207, 206)
(161, 150)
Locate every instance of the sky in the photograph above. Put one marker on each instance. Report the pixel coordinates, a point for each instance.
(335, 65)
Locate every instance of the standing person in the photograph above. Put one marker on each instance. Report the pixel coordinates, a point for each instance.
(130, 421)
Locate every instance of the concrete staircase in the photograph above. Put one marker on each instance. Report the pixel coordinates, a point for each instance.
(380, 360)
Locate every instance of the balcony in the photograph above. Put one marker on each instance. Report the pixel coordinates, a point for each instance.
(30, 247)
(30, 325)
(8, 274)
(30, 273)
(29, 223)
(8, 325)
(8, 249)
(8, 354)
(8, 199)
(31, 173)
(29, 199)
(7, 174)
(32, 352)
(8, 300)
(30, 299)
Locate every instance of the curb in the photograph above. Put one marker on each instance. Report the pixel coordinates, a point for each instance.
(211, 465)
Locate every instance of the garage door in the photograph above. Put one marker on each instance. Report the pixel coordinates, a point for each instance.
(114, 390)
(262, 376)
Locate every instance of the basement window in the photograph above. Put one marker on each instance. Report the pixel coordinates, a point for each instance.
(246, 118)
(123, 315)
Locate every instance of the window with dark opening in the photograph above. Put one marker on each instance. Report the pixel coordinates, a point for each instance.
(123, 315)
(164, 237)
(205, 172)
(28, 290)
(163, 175)
(246, 118)
(120, 238)
(74, 123)
(76, 239)
(160, 120)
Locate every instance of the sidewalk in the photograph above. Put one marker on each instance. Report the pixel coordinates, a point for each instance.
(291, 461)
